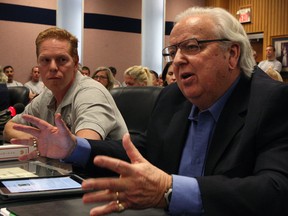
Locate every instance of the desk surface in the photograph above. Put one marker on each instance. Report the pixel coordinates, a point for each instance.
(68, 205)
(72, 206)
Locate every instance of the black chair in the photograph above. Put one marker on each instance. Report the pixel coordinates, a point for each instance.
(12, 96)
(136, 105)
(19, 94)
(4, 96)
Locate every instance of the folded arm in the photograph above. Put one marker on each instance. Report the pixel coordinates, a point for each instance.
(9, 132)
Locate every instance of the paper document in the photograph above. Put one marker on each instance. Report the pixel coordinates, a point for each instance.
(15, 172)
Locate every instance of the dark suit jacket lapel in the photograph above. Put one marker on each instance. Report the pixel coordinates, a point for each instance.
(175, 137)
(230, 121)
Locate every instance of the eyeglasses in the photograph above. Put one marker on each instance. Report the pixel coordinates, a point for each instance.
(100, 77)
(188, 47)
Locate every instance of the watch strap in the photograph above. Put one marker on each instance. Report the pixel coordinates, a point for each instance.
(167, 196)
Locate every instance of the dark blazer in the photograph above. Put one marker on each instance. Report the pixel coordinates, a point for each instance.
(246, 170)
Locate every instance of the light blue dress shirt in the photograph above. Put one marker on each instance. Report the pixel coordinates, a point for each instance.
(81, 153)
(186, 196)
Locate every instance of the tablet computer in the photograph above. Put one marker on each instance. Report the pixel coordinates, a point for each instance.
(40, 186)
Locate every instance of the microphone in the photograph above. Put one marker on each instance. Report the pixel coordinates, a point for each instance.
(13, 110)
(6, 115)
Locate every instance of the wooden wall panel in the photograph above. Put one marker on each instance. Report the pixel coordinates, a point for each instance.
(268, 16)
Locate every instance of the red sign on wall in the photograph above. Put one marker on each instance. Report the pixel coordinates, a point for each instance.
(244, 15)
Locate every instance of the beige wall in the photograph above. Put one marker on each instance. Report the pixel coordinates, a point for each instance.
(17, 40)
(121, 49)
(112, 48)
(172, 9)
(101, 48)
(51, 4)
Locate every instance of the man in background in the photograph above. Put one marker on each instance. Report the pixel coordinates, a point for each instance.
(78, 98)
(271, 61)
(35, 85)
(9, 71)
(85, 71)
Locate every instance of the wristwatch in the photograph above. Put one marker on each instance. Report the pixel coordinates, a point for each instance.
(167, 196)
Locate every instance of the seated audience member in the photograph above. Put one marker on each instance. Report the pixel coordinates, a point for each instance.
(9, 71)
(160, 80)
(274, 74)
(4, 94)
(35, 85)
(104, 76)
(138, 76)
(168, 74)
(78, 98)
(216, 143)
(271, 60)
(117, 83)
(155, 78)
(85, 71)
(3, 77)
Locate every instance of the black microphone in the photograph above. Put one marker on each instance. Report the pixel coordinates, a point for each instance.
(13, 110)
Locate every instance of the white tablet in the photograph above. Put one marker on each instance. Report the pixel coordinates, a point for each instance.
(40, 186)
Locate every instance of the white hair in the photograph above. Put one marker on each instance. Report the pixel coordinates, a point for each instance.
(228, 27)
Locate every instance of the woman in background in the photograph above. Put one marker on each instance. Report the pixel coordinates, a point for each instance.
(104, 76)
(168, 74)
(138, 76)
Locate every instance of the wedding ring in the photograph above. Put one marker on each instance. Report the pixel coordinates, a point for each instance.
(38, 153)
(120, 206)
(35, 145)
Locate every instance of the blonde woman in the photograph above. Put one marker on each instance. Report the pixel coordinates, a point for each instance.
(138, 76)
(3, 77)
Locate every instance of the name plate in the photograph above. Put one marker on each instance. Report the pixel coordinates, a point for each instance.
(13, 151)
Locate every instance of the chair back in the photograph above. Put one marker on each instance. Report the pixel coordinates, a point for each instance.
(136, 105)
(18, 94)
(4, 97)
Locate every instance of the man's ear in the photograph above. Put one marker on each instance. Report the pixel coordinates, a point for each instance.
(234, 55)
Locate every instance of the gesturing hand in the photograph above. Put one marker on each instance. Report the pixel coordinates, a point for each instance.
(52, 141)
(141, 185)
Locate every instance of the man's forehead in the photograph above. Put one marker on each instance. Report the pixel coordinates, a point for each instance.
(53, 43)
(193, 26)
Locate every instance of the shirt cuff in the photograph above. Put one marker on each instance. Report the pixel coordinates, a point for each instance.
(186, 198)
(81, 153)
